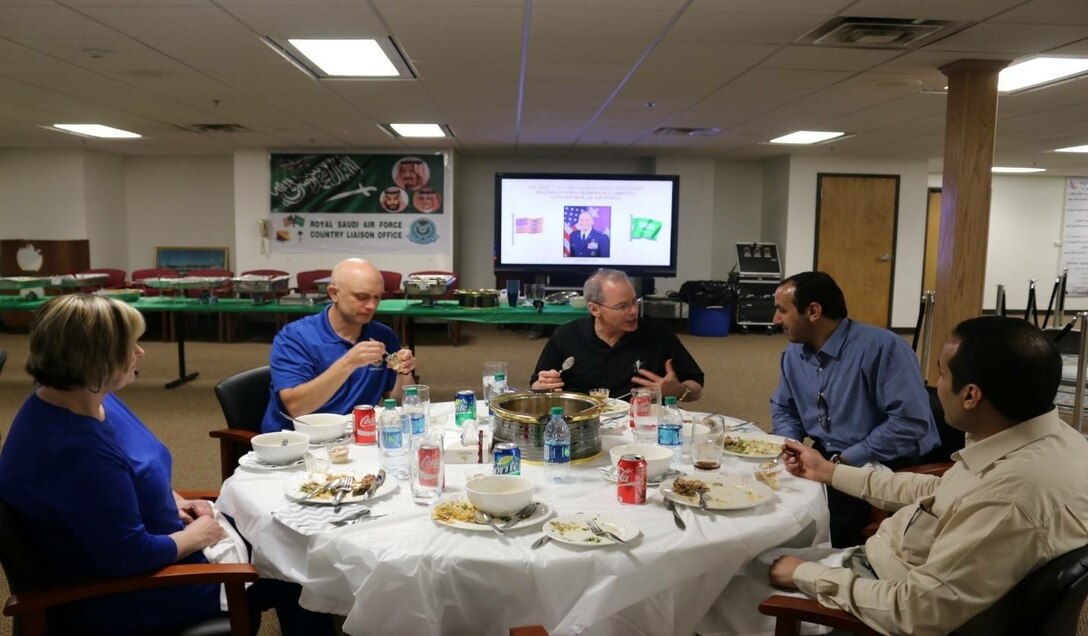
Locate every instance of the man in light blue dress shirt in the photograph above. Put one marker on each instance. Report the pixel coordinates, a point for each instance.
(855, 389)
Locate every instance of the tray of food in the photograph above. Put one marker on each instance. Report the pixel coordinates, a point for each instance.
(429, 284)
(260, 284)
(187, 282)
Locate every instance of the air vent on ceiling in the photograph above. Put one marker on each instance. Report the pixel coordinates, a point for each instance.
(879, 33)
(216, 128)
(690, 132)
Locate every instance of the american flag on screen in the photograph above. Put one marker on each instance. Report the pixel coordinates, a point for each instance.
(528, 226)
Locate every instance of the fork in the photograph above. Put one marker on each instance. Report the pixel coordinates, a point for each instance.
(345, 487)
(601, 532)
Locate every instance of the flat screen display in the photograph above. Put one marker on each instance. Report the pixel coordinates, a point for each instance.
(578, 223)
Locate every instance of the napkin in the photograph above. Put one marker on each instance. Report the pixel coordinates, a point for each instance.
(311, 520)
(230, 549)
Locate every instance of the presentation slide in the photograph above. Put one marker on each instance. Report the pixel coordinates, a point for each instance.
(620, 223)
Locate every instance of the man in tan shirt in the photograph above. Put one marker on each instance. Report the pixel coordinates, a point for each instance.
(1013, 500)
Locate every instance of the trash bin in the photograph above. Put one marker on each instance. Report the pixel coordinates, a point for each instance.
(711, 303)
(709, 321)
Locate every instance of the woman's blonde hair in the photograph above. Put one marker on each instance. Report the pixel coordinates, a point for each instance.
(80, 340)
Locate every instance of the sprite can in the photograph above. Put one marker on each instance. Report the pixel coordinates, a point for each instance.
(507, 459)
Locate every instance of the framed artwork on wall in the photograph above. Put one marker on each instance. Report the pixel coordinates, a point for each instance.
(186, 259)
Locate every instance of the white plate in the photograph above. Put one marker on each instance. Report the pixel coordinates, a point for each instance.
(774, 439)
(609, 474)
(293, 490)
(250, 461)
(572, 529)
(543, 511)
(726, 493)
(616, 407)
(346, 437)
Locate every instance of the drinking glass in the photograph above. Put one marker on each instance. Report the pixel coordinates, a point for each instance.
(646, 412)
(424, 393)
(513, 289)
(708, 436)
(427, 468)
(599, 394)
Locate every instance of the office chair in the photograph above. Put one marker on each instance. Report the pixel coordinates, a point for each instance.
(243, 398)
(34, 597)
(305, 284)
(391, 282)
(116, 278)
(1047, 602)
(138, 276)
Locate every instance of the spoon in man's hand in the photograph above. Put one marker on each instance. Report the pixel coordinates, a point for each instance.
(567, 364)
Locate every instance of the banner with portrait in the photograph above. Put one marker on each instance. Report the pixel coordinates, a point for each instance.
(358, 203)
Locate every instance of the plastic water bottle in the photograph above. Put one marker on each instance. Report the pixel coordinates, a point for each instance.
(557, 447)
(670, 432)
(394, 440)
(495, 389)
(413, 409)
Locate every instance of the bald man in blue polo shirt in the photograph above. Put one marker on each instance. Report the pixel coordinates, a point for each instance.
(325, 363)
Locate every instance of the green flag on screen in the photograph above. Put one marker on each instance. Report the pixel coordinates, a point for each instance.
(645, 228)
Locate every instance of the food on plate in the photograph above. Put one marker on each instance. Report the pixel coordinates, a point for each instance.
(564, 527)
(359, 485)
(748, 446)
(454, 510)
(689, 487)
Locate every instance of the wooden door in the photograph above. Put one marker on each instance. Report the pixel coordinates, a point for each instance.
(855, 240)
(933, 230)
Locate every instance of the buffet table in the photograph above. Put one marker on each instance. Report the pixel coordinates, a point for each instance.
(399, 310)
(405, 574)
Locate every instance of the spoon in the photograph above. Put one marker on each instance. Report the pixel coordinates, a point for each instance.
(524, 513)
(567, 364)
(540, 542)
(483, 517)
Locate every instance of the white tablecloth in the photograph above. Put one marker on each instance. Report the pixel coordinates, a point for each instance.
(405, 574)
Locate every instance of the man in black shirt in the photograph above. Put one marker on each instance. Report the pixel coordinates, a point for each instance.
(613, 349)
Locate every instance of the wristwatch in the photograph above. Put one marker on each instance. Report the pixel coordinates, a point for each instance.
(837, 459)
(687, 391)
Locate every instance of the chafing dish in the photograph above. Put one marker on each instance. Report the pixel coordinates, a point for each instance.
(187, 282)
(76, 281)
(428, 286)
(478, 298)
(521, 418)
(23, 282)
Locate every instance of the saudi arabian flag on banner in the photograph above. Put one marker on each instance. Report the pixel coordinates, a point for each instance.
(644, 228)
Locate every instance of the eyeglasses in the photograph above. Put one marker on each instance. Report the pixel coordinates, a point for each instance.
(824, 418)
(623, 306)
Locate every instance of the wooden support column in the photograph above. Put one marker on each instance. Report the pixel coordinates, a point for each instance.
(970, 129)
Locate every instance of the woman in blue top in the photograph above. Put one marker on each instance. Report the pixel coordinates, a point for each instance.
(94, 483)
(92, 480)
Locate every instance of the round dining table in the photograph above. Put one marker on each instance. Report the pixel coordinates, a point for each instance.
(397, 571)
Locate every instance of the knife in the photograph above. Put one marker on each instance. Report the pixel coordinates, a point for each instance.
(379, 479)
(670, 505)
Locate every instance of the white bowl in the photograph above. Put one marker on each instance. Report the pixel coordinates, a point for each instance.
(578, 302)
(270, 448)
(657, 457)
(500, 495)
(322, 427)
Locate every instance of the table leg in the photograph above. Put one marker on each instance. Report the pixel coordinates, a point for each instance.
(179, 328)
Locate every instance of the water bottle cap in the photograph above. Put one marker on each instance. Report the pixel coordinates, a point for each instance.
(389, 403)
(670, 400)
(500, 376)
(411, 390)
(557, 410)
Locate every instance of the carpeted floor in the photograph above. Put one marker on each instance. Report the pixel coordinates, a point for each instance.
(741, 371)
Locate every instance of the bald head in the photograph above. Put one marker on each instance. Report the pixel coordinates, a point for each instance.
(352, 271)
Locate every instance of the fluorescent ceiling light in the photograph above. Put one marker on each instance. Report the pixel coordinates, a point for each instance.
(418, 130)
(1073, 149)
(347, 58)
(1039, 70)
(1010, 170)
(806, 137)
(97, 130)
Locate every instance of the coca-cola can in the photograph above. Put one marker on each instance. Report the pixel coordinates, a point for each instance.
(631, 479)
(430, 464)
(366, 432)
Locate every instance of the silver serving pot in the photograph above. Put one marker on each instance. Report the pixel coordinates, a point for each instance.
(521, 418)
